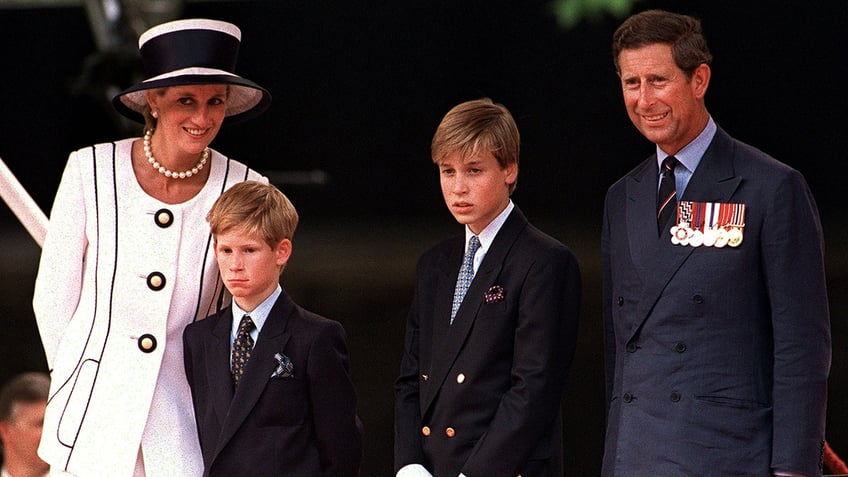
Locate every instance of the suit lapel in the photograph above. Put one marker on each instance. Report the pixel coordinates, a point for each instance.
(447, 349)
(218, 364)
(713, 181)
(272, 339)
(442, 302)
(641, 213)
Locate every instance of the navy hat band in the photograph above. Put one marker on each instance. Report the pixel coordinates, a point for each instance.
(190, 48)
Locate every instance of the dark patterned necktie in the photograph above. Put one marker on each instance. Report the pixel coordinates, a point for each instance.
(242, 347)
(667, 196)
(466, 274)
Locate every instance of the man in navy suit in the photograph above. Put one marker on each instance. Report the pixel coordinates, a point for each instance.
(489, 339)
(716, 320)
(269, 380)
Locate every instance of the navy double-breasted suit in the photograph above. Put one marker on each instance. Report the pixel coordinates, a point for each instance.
(482, 396)
(304, 424)
(716, 358)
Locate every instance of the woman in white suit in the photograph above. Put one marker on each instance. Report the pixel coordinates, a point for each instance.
(127, 262)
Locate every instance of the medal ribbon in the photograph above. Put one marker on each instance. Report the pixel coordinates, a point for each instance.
(698, 222)
(712, 215)
(738, 215)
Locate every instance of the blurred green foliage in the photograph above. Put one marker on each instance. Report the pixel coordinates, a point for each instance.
(569, 13)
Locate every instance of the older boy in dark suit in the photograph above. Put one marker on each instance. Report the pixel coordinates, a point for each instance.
(489, 337)
(270, 381)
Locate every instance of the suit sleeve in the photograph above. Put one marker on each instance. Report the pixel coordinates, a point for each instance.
(189, 362)
(408, 446)
(544, 343)
(59, 281)
(606, 297)
(187, 359)
(793, 261)
(332, 397)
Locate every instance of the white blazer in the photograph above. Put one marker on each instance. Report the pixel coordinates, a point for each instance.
(121, 274)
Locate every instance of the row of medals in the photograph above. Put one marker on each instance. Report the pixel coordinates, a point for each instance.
(683, 234)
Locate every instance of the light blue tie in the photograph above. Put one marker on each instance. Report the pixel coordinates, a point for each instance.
(466, 274)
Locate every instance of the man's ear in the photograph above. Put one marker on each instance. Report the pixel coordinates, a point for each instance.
(701, 80)
(511, 173)
(283, 252)
(4, 431)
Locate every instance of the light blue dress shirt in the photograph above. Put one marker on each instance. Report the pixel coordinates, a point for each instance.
(259, 315)
(690, 156)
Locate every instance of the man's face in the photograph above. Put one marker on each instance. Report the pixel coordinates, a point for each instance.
(22, 432)
(476, 189)
(249, 266)
(663, 104)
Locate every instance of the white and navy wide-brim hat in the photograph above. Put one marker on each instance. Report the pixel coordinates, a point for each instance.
(189, 52)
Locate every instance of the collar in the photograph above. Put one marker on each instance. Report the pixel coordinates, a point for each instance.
(691, 154)
(258, 315)
(487, 235)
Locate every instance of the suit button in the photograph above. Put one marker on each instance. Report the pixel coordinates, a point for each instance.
(675, 396)
(425, 378)
(631, 347)
(163, 218)
(425, 431)
(627, 397)
(450, 432)
(698, 299)
(156, 281)
(620, 301)
(680, 347)
(147, 343)
(460, 378)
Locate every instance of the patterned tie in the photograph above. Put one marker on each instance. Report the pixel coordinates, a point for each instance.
(667, 196)
(242, 347)
(466, 274)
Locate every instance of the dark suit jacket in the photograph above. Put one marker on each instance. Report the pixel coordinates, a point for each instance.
(717, 358)
(482, 396)
(303, 425)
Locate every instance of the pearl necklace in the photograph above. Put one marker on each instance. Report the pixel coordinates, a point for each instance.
(167, 172)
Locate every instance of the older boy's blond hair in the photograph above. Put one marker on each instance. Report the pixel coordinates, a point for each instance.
(477, 127)
(256, 208)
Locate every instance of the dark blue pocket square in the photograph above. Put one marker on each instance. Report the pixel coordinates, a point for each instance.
(494, 294)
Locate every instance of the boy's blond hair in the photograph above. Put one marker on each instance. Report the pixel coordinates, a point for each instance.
(256, 208)
(477, 127)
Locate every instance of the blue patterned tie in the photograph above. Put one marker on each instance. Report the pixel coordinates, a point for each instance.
(466, 274)
(242, 347)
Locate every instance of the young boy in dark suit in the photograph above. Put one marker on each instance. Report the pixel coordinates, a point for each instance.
(270, 381)
(493, 323)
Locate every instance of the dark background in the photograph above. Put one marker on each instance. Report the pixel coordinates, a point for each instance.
(359, 88)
